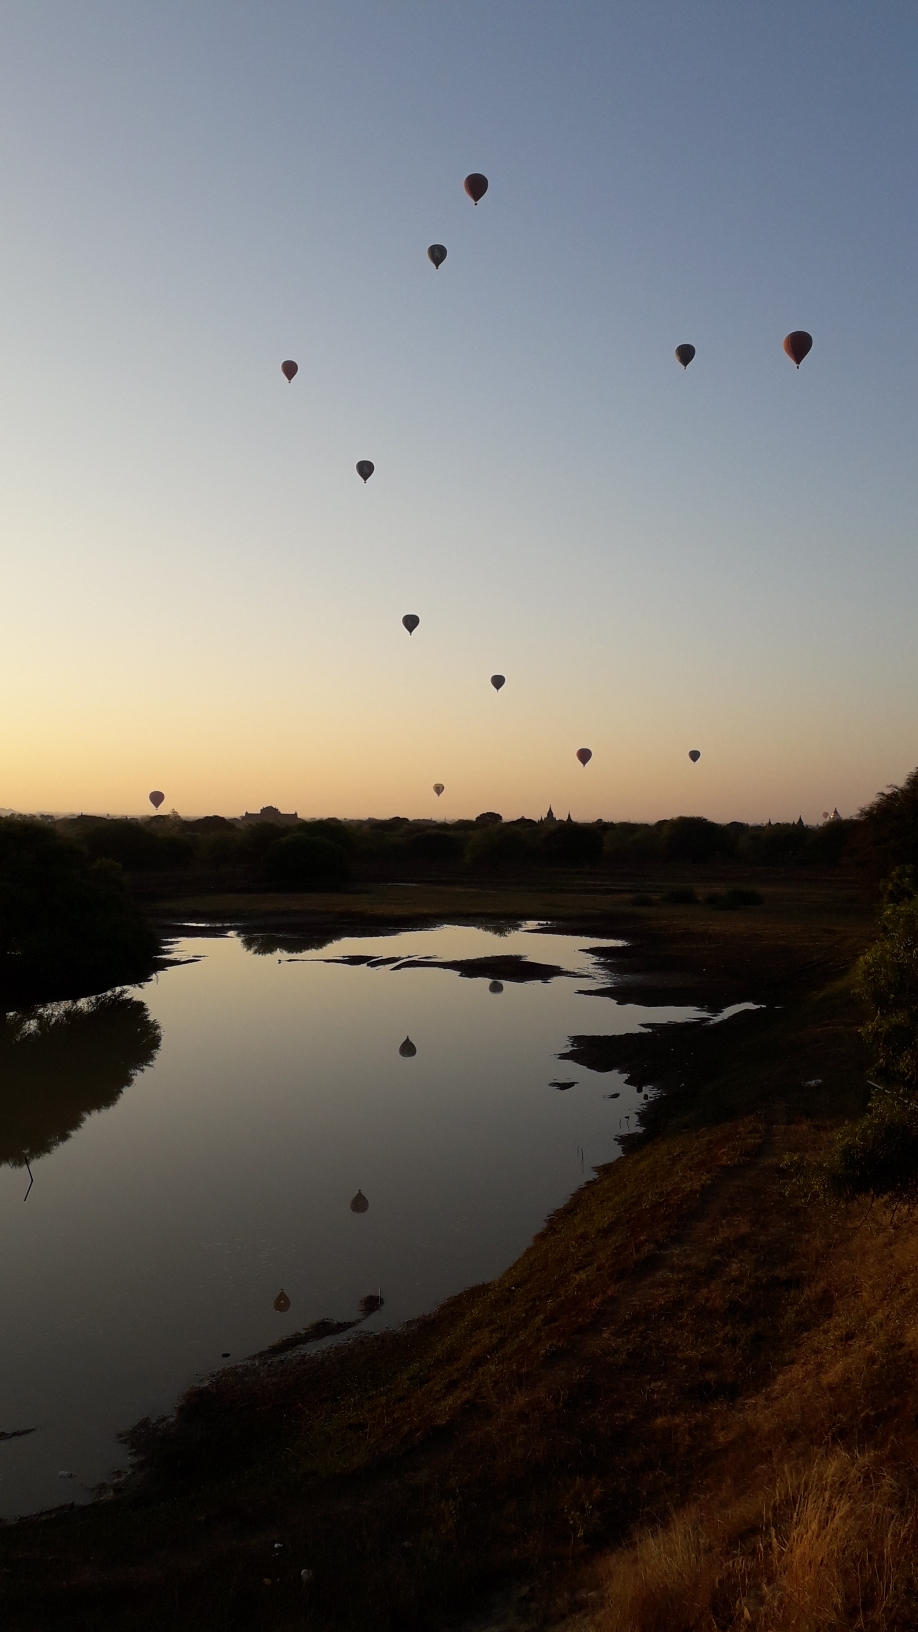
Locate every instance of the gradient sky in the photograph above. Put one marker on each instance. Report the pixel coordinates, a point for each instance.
(197, 591)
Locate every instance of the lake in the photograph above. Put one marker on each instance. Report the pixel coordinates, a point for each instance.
(204, 1139)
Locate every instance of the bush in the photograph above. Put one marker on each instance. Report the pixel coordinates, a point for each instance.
(877, 1156)
(302, 862)
(68, 926)
(733, 900)
(488, 818)
(887, 834)
(680, 897)
(887, 977)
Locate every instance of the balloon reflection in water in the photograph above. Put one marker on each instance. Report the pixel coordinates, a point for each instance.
(496, 986)
(282, 1302)
(407, 1049)
(359, 1203)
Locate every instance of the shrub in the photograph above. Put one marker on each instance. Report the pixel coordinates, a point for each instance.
(68, 926)
(302, 862)
(681, 897)
(877, 1156)
(733, 900)
(887, 977)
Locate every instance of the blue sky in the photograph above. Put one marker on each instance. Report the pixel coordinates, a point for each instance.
(200, 594)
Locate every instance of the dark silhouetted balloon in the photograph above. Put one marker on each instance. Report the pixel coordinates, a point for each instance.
(288, 369)
(584, 755)
(476, 185)
(156, 798)
(411, 621)
(496, 986)
(360, 1203)
(437, 254)
(498, 680)
(438, 788)
(407, 1049)
(282, 1302)
(365, 469)
(694, 755)
(797, 344)
(685, 354)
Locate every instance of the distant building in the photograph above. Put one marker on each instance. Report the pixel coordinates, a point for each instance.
(548, 817)
(835, 816)
(269, 813)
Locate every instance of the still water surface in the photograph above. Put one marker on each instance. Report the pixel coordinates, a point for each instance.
(236, 1107)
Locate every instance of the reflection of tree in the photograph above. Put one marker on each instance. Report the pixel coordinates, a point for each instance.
(58, 1064)
(264, 945)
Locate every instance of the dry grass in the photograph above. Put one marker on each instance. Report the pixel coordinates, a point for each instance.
(835, 1547)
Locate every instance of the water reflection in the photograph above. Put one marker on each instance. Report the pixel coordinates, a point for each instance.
(58, 1064)
(496, 986)
(407, 1049)
(282, 1302)
(360, 1203)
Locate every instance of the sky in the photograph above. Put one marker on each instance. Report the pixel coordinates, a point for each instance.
(198, 593)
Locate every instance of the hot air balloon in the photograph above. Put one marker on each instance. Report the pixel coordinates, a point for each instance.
(584, 755)
(411, 621)
(694, 755)
(685, 354)
(407, 1049)
(797, 344)
(496, 986)
(476, 185)
(282, 1302)
(365, 469)
(288, 369)
(498, 680)
(437, 254)
(156, 798)
(359, 1203)
(438, 788)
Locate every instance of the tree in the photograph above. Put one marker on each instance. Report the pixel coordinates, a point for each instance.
(68, 926)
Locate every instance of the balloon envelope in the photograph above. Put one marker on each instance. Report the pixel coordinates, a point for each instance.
(685, 354)
(694, 755)
(411, 621)
(438, 788)
(437, 254)
(359, 1203)
(282, 1302)
(288, 369)
(156, 799)
(407, 1049)
(365, 468)
(496, 986)
(797, 344)
(476, 185)
(584, 755)
(498, 680)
